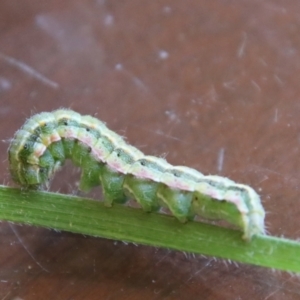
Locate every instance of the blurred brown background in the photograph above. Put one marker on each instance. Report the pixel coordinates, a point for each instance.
(212, 85)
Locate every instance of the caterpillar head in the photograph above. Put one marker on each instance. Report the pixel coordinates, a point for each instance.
(31, 165)
(26, 168)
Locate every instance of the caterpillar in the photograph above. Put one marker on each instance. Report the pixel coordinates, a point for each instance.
(47, 139)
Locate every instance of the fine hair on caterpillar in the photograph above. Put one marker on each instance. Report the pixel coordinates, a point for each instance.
(47, 139)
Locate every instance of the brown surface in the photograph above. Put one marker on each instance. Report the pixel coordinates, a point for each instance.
(186, 78)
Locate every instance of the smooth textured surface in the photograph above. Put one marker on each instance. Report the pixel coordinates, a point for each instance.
(123, 223)
(214, 86)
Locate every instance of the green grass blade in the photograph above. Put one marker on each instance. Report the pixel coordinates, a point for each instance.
(89, 217)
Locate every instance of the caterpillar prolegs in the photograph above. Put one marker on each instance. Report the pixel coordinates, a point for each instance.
(46, 140)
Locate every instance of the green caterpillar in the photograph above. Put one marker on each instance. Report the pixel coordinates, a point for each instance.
(46, 140)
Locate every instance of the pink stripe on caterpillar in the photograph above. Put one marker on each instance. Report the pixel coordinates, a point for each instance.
(38, 151)
(48, 140)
